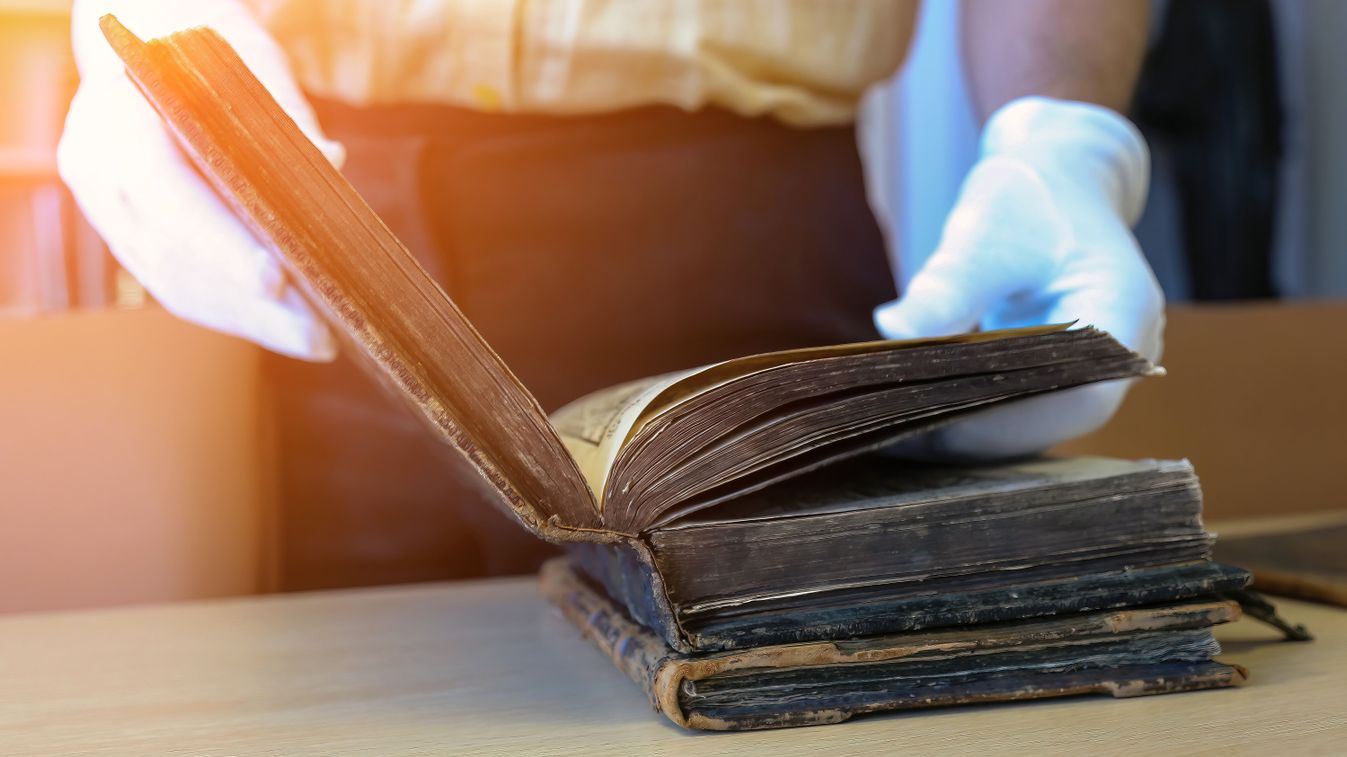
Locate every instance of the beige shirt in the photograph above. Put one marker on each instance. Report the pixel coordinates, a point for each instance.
(805, 62)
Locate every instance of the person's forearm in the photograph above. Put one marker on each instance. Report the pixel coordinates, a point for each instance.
(1086, 50)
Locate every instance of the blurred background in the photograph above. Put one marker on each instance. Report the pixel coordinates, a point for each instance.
(136, 451)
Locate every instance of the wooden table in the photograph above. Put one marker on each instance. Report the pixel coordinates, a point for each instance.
(486, 667)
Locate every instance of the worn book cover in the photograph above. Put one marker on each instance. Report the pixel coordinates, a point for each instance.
(1121, 653)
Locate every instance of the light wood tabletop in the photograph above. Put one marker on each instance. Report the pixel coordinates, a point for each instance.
(487, 667)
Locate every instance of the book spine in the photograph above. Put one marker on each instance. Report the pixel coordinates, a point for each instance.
(635, 650)
(626, 570)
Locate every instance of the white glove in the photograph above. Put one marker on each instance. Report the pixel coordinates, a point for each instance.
(158, 216)
(1040, 234)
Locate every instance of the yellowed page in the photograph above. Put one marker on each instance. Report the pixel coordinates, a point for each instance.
(595, 427)
(712, 376)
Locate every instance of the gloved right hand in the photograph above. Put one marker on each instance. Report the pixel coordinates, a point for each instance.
(161, 220)
(1040, 234)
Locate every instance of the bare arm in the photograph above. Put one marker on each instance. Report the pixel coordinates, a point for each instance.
(1087, 50)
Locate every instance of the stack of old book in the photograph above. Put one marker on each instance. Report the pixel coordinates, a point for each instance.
(736, 544)
(874, 585)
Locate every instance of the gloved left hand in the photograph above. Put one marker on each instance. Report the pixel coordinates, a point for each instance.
(1040, 234)
(157, 214)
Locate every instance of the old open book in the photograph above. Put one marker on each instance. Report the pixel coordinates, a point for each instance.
(619, 461)
(743, 557)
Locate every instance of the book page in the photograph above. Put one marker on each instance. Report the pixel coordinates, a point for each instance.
(881, 481)
(712, 376)
(594, 427)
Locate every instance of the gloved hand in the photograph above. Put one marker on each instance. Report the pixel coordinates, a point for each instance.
(1040, 234)
(158, 216)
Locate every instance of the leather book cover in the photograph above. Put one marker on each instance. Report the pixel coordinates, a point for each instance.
(844, 678)
(628, 573)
